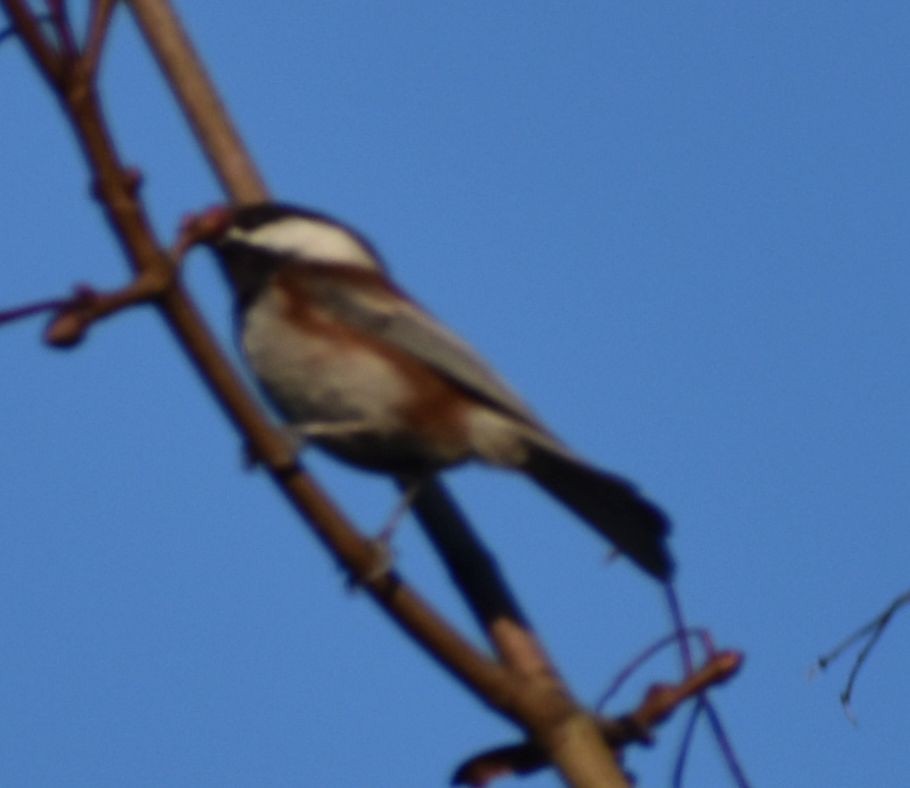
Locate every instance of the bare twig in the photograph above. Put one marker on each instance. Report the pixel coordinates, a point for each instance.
(71, 323)
(704, 708)
(63, 28)
(37, 308)
(726, 748)
(75, 315)
(662, 700)
(679, 624)
(10, 31)
(98, 26)
(871, 632)
(685, 744)
(655, 648)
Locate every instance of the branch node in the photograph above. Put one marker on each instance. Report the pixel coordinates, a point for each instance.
(67, 328)
(659, 703)
(75, 316)
(129, 181)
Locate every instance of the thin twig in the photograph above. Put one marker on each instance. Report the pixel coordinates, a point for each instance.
(10, 31)
(726, 747)
(873, 630)
(679, 624)
(36, 308)
(685, 744)
(66, 40)
(86, 306)
(655, 648)
(99, 24)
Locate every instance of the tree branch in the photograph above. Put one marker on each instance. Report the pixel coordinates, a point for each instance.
(525, 687)
(562, 720)
(117, 189)
(658, 705)
(871, 632)
(198, 98)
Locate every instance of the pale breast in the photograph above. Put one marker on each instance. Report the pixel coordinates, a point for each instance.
(317, 375)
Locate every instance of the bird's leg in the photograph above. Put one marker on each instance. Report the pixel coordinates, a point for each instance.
(331, 429)
(382, 542)
(298, 436)
(412, 487)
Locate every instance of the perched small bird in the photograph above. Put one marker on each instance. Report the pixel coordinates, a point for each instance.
(356, 367)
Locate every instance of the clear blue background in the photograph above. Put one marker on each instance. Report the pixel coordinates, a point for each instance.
(681, 231)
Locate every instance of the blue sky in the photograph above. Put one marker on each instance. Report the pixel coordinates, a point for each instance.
(680, 231)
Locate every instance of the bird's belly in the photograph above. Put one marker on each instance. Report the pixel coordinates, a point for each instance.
(317, 380)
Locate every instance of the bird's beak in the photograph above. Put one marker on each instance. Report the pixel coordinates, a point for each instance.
(206, 227)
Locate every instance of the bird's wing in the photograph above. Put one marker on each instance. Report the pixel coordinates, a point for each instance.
(385, 313)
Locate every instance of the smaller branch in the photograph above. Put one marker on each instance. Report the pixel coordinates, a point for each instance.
(872, 632)
(723, 741)
(60, 19)
(98, 27)
(685, 746)
(662, 700)
(658, 705)
(27, 26)
(188, 79)
(651, 651)
(69, 326)
(10, 31)
(679, 625)
(704, 708)
(76, 314)
(37, 308)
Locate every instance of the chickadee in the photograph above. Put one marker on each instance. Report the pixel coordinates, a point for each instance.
(357, 367)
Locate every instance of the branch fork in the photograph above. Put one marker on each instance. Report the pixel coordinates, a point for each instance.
(658, 705)
(72, 317)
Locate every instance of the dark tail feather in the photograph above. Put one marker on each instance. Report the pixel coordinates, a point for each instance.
(611, 505)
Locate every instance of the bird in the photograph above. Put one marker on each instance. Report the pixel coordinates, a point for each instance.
(358, 368)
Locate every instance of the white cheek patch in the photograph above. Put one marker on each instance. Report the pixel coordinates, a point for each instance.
(307, 239)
